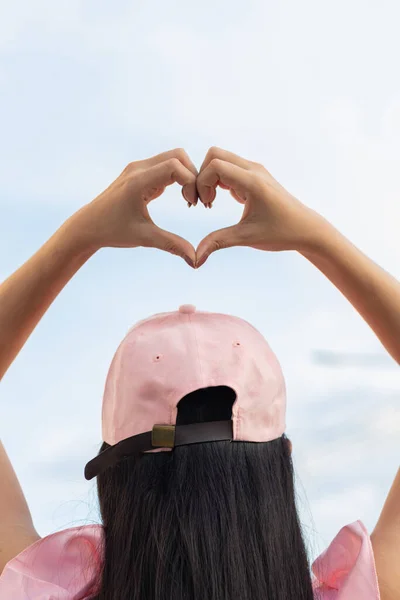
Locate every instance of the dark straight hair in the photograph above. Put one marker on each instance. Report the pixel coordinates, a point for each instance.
(210, 521)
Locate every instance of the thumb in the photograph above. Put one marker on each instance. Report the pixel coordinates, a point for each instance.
(170, 242)
(222, 238)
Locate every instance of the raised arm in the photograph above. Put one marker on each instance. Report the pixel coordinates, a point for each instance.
(119, 218)
(274, 220)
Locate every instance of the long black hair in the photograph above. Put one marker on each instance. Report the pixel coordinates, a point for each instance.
(209, 521)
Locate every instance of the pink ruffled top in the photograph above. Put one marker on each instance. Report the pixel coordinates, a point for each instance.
(66, 566)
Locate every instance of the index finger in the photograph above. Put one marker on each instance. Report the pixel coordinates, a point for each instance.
(178, 153)
(170, 171)
(228, 174)
(215, 152)
(189, 191)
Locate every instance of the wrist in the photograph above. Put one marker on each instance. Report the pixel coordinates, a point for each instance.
(75, 236)
(323, 239)
(70, 245)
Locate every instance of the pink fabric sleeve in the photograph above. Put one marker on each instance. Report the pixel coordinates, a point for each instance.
(62, 566)
(346, 569)
(65, 566)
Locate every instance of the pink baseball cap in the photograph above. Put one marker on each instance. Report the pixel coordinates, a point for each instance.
(167, 356)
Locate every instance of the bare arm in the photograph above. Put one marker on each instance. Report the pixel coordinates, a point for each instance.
(117, 218)
(274, 220)
(376, 296)
(24, 298)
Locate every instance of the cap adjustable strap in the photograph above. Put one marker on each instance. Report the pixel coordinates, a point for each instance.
(161, 436)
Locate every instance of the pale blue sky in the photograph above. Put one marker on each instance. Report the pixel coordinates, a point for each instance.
(310, 90)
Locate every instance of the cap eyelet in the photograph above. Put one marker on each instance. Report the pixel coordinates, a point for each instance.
(237, 343)
(157, 358)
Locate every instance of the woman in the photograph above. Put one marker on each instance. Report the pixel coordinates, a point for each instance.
(194, 476)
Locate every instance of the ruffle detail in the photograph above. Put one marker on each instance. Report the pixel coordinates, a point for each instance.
(61, 566)
(346, 569)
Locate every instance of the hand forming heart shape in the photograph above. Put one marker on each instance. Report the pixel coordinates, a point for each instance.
(272, 218)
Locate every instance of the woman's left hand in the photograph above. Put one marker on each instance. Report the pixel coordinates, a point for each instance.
(119, 217)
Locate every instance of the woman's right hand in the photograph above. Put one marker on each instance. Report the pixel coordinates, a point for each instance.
(272, 218)
(119, 216)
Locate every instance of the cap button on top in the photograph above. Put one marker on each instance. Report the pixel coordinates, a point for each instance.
(187, 308)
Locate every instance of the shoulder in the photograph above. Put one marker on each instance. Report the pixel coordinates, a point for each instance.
(66, 561)
(348, 566)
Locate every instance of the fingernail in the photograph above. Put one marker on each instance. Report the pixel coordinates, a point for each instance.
(201, 260)
(189, 261)
(184, 196)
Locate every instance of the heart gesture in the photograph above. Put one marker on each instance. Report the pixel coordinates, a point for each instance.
(272, 218)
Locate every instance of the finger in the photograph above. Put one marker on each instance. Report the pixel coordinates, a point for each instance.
(189, 192)
(178, 153)
(170, 242)
(230, 175)
(215, 152)
(168, 172)
(222, 238)
(237, 198)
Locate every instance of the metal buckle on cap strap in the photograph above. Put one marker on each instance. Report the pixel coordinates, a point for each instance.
(163, 436)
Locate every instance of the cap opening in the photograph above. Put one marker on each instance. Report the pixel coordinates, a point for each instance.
(206, 404)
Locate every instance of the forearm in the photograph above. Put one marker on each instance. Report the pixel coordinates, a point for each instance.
(373, 292)
(27, 294)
